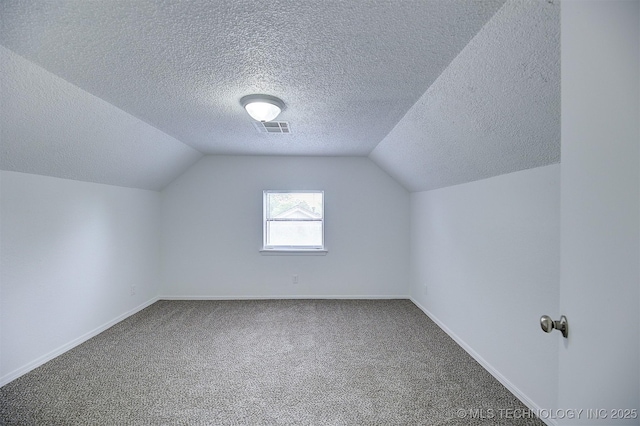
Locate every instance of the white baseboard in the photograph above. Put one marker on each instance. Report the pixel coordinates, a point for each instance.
(487, 366)
(7, 378)
(296, 296)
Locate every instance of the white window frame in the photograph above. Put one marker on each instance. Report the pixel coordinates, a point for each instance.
(271, 249)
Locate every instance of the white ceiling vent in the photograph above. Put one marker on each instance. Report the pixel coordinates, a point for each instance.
(272, 127)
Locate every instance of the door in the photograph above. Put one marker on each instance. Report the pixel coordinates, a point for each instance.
(600, 212)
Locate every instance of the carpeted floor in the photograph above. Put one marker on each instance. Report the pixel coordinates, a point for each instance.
(271, 362)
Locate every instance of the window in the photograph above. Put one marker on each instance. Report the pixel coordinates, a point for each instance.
(293, 220)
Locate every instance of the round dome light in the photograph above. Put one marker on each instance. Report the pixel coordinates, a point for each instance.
(262, 107)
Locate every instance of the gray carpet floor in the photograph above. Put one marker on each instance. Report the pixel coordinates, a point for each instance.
(270, 362)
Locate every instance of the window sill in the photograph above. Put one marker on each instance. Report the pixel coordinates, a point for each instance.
(293, 252)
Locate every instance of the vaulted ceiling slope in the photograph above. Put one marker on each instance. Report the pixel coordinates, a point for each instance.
(132, 92)
(494, 110)
(51, 127)
(347, 70)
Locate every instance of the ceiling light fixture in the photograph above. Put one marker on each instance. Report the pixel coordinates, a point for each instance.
(262, 107)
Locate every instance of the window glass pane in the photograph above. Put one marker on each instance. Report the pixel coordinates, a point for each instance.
(294, 233)
(294, 219)
(294, 205)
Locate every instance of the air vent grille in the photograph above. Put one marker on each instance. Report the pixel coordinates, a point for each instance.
(272, 127)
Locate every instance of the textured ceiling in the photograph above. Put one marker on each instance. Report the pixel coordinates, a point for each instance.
(347, 70)
(132, 92)
(494, 110)
(50, 127)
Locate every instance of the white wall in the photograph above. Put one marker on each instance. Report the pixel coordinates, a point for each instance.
(600, 276)
(485, 264)
(70, 253)
(212, 230)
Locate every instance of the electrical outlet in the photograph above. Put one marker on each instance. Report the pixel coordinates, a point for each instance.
(294, 279)
(133, 290)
